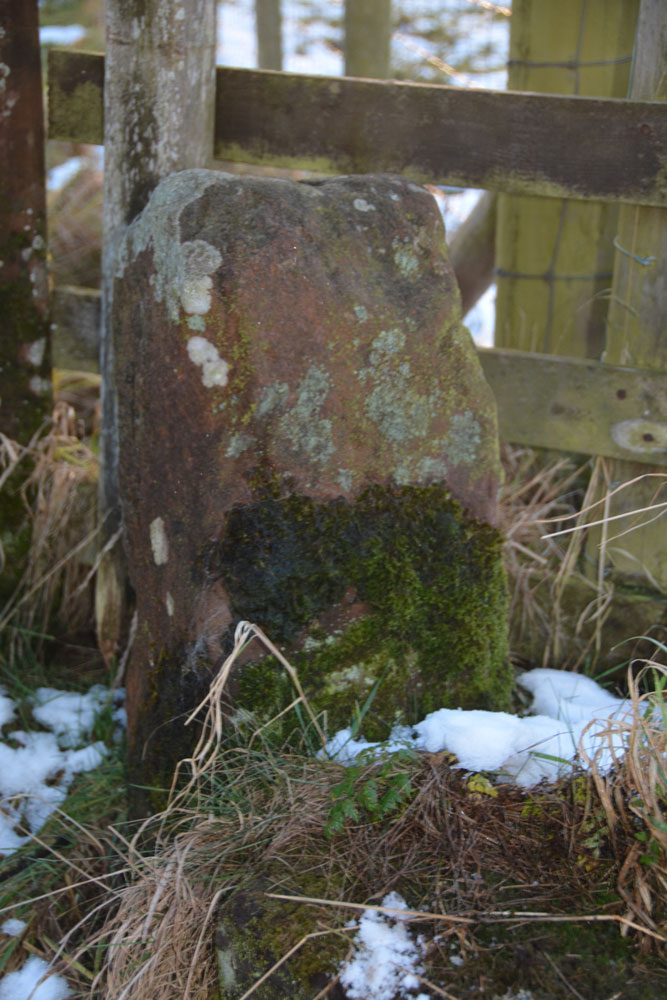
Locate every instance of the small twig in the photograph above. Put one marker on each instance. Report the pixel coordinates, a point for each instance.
(494, 916)
(561, 976)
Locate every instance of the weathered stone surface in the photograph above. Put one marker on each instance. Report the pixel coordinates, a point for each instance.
(307, 441)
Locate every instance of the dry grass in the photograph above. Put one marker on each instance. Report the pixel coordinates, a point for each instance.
(59, 492)
(251, 823)
(634, 799)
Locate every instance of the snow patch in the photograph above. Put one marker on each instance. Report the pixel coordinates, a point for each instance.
(574, 721)
(388, 959)
(24, 984)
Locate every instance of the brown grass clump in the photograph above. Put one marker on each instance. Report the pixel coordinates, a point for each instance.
(252, 822)
(634, 799)
(60, 496)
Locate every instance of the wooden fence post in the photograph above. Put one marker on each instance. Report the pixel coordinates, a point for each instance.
(554, 258)
(269, 34)
(637, 335)
(25, 359)
(368, 38)
(159, 93)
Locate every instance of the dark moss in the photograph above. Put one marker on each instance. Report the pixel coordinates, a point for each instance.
(427, 584)
(254, 932)
(172, 695)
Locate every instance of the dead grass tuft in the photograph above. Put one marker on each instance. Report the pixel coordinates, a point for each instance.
(59, 493)
(253, 819)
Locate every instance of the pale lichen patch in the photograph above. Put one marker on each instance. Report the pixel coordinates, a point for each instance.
(362, 205)
(215, 371)
(273, 396)
(302, 425)
(159, 542)
(169, 602)
(405, 258)
(197, 323)
(239, 443)
(462, 443)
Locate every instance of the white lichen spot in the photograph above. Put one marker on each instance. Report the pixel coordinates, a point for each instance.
(40, 386)
(215, 371)
(394, 196)
(169, 601)
(38, 242)
(239, 443)
(35, 354)
(180, 14)
(345, 478)
(361, 313)
(387, 342)
(463, 440)
(405, 258)
(644, 437)
(198, 260)
(197, 323)
(303, 426)
(362, 205)
(159, 542)
(431, 470)
(273, 397)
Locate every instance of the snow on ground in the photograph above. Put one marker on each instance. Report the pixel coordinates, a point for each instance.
(24, 984)
(571, 713)
(387, 959)
(37, 768)
(36, 771)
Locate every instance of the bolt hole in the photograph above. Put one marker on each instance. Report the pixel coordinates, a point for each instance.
(621, 393)
(647, 437)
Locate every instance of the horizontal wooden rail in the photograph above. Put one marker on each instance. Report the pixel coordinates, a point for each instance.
(523, 143)
(546, 402)
(579, 406)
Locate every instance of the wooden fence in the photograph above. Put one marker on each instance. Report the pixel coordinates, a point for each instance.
(520, 143)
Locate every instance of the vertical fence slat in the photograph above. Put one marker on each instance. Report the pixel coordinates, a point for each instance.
(368, 38)
(25, 390)
(637, 326)
(25, 362)
(554, 257)
(159, 91)
(269, 34)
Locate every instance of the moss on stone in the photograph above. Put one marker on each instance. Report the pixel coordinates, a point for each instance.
(427, 583)
(254, 932)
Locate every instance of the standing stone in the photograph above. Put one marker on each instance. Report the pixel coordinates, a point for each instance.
(307, 442)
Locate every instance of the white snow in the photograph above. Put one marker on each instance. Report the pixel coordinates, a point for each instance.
(23, 984)
(68, 714)
(13, 927)
(6, 707)
(37, 768)
(572, 714)
(387, 960)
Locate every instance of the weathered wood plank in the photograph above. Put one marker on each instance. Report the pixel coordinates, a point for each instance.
(579, 406)
(76, 96)
(521, 143)
(77, 321)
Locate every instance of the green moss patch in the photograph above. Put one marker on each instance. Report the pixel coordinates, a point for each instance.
(398, 593)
